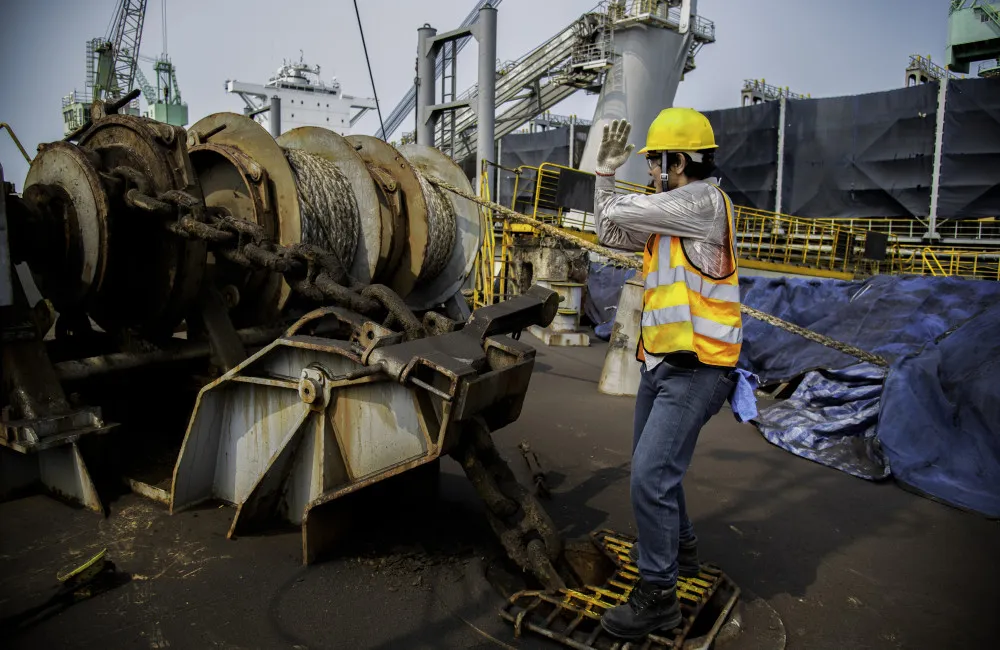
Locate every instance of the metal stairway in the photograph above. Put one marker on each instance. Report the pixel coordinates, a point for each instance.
(574, 58)
(577, 57)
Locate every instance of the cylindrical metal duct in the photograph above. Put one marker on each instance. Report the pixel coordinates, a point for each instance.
(641, 83)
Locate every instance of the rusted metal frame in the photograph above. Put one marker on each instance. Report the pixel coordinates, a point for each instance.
(36, 392)
(43, 443)
(354, 320)
(82, 422)
(428, 423)
(227, 348)
(264, 381)
(79, 369)
(309, 549)
(284, 454)
(409, 375)
(106, 108)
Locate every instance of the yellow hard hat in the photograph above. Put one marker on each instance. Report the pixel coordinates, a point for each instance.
(679, 129)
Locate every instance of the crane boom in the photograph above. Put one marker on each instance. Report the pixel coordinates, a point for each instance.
(124, 40)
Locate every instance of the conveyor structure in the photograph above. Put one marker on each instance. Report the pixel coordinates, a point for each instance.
(578, 57)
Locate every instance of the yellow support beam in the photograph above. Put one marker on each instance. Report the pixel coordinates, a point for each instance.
(778, 267)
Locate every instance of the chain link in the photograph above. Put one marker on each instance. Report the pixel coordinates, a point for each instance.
(309, 270)
(632, 262)
(515, 515)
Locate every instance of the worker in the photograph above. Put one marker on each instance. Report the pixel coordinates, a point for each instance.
(689, 341)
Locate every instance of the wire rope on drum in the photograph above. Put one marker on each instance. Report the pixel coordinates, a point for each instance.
(441, 228)
(329, 214)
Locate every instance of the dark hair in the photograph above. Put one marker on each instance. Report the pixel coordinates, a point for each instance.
(696, 170)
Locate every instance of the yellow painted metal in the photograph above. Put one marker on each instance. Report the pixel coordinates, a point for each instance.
(807, 243)
(483, 294)
(87, 570)
(571, 616)
(944, 262)
(794, 270)
(766, 240)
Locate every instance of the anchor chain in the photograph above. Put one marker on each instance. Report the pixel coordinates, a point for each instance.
(309, 270)
(525, 530)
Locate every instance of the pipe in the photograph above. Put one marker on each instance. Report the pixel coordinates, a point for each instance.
(572, 141)
(5, 126)
(78, 369)
(486, 30)
(275, 116)
(780, 175)
(425, 85)
(932, 213)
(110, 107)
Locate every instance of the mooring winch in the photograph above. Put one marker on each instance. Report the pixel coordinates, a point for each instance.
(318, 277)
(310, 287)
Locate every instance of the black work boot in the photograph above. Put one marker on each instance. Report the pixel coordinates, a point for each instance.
(688, 565)
(648, 609)
(687, 559)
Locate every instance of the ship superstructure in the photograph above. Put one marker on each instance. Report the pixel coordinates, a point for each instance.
(304, 99)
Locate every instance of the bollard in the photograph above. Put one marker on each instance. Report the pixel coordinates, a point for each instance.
(620, 375)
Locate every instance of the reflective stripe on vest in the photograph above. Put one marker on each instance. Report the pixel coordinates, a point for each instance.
(685, 310)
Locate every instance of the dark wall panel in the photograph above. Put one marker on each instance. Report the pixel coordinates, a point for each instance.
(860, 156)
(970, 158)
(747, 156)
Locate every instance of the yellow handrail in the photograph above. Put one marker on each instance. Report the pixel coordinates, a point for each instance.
(826, 245)
(483, 294)
(930, 260)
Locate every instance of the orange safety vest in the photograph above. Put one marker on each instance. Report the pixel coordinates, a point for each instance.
(684, 310)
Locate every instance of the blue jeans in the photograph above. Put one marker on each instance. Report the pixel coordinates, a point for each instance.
(671, 407)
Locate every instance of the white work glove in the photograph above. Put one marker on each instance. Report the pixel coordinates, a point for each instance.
(615, 149)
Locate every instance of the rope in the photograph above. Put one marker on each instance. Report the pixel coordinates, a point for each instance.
(441, 227)
(632, 262)
(329, 210)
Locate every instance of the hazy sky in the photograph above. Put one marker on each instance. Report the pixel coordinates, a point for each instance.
(823, 48)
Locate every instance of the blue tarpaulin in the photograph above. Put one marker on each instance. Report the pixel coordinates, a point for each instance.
(604, 287)
(931, 421)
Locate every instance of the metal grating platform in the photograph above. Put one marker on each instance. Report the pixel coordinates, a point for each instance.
(571, 617)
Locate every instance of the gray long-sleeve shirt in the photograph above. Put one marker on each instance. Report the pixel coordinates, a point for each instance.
(695, 213)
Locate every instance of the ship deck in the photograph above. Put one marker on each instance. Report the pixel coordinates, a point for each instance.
(845, 563)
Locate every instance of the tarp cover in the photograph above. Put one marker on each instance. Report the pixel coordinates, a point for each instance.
(604, 287)
(747, 156)
(933, 423)
(860, 156)
(970, 152)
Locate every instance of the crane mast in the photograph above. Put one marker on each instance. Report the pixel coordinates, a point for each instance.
(111, 65)
(122, 49)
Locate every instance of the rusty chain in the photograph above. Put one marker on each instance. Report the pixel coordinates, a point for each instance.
(311, 271)
(515, 515)
(520, 522)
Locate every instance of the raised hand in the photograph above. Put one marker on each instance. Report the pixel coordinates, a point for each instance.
(615, 148)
